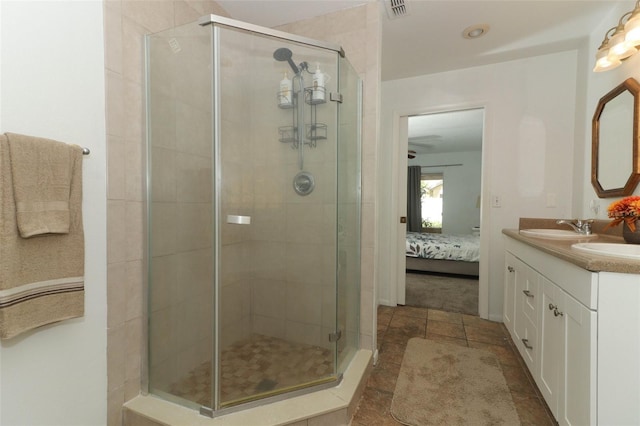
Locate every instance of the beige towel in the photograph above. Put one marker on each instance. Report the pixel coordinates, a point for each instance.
(41, 172)
(41, 278)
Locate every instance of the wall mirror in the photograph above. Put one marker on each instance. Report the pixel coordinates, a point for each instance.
(614, 149)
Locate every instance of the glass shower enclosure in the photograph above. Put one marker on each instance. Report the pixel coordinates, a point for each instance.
(253, 163)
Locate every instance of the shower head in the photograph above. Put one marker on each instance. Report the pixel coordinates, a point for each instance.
(284, 54)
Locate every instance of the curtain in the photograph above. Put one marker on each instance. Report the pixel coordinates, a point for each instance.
(414, 207)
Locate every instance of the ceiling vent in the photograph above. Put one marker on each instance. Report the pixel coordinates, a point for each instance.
(396, 8)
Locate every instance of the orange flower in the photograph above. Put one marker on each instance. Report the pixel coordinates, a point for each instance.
(626, 210)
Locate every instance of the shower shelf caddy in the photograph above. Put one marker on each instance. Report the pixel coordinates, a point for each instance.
(314, 131)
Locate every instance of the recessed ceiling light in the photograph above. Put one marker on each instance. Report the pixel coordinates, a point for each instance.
(475, 31)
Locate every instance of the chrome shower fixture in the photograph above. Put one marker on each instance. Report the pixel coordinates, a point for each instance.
(283, 54)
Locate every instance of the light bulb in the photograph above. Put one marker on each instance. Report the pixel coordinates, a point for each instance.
(618, 46)
(632, 30)
(604, 61)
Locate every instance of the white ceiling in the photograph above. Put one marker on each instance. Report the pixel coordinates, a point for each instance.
(456, 131)
(429, 38)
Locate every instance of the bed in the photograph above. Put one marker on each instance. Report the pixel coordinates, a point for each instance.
(452, 254)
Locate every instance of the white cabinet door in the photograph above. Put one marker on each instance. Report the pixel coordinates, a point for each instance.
(510, 275)
(551, 344)
(577, 402)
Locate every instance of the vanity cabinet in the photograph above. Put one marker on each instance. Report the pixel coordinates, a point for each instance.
(586, 317)
(554, 331)
(565, 375)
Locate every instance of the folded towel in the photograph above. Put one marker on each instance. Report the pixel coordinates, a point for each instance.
(41, 278)
(41, 172)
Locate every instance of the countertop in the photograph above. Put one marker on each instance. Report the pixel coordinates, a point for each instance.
(562, 248)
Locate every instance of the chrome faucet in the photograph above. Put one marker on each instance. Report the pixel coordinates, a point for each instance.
(581, 226)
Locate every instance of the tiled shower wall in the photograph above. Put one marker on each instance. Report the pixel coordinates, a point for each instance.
(357, 30)
(126, 22)
(180, 291)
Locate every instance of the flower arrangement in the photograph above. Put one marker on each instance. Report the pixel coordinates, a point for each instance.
(626, 210)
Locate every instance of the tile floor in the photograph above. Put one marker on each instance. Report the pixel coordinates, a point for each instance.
(397, 325)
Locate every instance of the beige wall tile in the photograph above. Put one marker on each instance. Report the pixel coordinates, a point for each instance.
(303, 264)
(164, 175)
(268, 326)
(113, 37)
(115, 104)
(164, 276)
(135, 170)
(116, 160)
(133, 110)
(153, 15)
(194, 226)
(133, 51)
(193, 173)
(134, 228)
(268, 298)
(116, 229)
(133, 349)
(304, 333)
(304, 303)
(116, 294)
(184, 13)
(115, 399)
(164, 228)
(116, 347)
(134, 299)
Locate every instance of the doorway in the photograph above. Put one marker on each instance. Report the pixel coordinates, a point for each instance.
(447, 147)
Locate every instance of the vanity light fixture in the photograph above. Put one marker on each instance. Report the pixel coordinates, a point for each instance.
(622, 43)
(604, 61)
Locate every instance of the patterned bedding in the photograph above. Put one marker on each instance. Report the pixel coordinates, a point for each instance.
(443, 246)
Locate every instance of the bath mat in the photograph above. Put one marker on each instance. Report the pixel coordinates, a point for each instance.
(444, 384)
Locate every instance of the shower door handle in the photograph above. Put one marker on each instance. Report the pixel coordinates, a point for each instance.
(238, 220)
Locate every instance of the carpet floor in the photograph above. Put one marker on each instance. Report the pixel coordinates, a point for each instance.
(451, 293)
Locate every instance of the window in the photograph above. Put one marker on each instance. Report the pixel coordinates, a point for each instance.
(432, 191)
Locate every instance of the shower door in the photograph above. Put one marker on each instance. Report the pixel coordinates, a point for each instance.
(253, 187)
(277, 234)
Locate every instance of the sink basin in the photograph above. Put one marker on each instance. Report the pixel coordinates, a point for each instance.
(625, 251)
(554, 234)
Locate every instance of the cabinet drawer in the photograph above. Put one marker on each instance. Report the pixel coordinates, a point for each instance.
(527, 293)
(527, 342)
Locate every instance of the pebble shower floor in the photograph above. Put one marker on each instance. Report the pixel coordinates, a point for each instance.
(261, 364)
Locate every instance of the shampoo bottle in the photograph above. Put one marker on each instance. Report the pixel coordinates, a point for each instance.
(285, 95)
(318, 90)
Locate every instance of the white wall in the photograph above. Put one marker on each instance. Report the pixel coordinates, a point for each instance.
(52, 85)
(597, 85)
(528, 148)
(461, 187)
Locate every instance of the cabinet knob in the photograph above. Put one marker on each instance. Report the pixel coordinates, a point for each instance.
(526, 344)
(552, 306)
(557, 313)
(510, 269)
(527, 293)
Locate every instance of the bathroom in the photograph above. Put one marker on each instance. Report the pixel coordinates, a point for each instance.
(82, 371)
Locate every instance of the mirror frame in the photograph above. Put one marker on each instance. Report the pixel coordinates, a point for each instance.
(633, 87)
